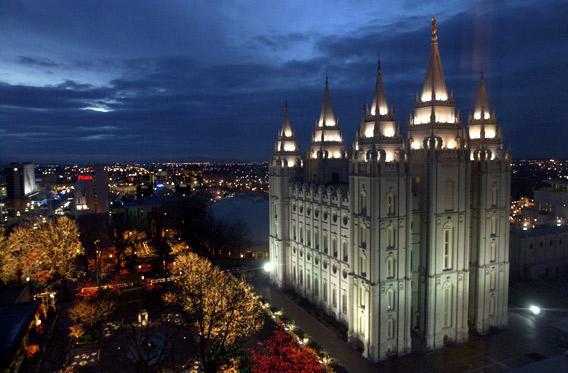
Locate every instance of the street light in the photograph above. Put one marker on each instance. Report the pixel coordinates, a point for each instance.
(268, 266)
(535, 310)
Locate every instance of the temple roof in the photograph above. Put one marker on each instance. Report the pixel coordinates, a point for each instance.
(286, 130)
(482, 110)
(434, 79)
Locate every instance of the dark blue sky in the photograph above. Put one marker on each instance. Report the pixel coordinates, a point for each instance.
(107, 80)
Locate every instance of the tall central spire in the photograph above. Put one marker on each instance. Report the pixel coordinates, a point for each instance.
(482, 102)
(380, 99)
(327, 118)
(434, 84)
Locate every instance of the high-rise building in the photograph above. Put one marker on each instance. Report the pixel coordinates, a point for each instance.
(20, 183)
(405, 240)
(91, 192)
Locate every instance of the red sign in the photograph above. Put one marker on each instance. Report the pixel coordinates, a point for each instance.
(85, 177)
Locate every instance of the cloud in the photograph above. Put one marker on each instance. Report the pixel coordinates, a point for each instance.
(37, 61)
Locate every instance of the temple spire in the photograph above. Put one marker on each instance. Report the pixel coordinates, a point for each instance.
(482, 102)
(327, 118)
(434, 84)
(286, 125)
(380, 100)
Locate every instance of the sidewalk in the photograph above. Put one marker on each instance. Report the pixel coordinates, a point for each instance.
(337, 348)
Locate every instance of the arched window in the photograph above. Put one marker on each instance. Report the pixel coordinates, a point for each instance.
(494, 196)
(390, 203)
(363, 264)
(447, 305)
(390, 328)
(494, 225)
(449, 194)
(390, 267)
(309, 237)
(302, 234)
(363, 236)
(390, 236)
(344, 248)
(448, 246)
(390, 299)
(492, 305)
(492, 251)
(363, 203)
(317, 239)
(492, 280)
(334, 246)
(325, 243)
(301, 277)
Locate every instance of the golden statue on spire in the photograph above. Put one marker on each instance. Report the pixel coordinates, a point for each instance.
(434, 29)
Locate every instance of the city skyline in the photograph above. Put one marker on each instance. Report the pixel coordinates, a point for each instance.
(208, 83)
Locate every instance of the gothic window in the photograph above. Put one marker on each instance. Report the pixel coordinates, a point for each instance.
(447, 305)
(325, 264)
(449, 194)
(390, 299)
(390, 203)
(316, 286)
(301, 277)
(309, 237)
(363, 264)
(334, 246)
(363, 236)
(325, 241)
(390, 236)
(334, 298)
(492, 280)
(345, 219)
(390, 328)
(492, 251)
(308, 283)
(390, 267)
(317, 239)
(448, 248)
(344, 303)
(492, 305)
(324, 290)
(302, 234)
(363, 203)
(494, 196)
(294, 231)
(345, 251)
(494, 225)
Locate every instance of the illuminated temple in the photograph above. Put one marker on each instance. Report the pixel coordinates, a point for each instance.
(403, 238)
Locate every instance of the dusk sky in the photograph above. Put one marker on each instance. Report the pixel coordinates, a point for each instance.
(102, 81)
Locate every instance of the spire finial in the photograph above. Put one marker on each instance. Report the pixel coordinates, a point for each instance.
(434, 29)
(326, 77)
(379, 66)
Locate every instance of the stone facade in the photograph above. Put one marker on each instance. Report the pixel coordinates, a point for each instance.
(405, 240)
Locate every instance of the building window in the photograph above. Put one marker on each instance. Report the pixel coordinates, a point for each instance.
(294, 231)
(492, 280)
(294, 274)
(448, 246)
(301, 277)
(449, 194)
(317, 239)
(334, 246)
(325, 243)
(494, 196)
(492, 251)
(308, 282)
(492, 305)
(344, 303)
(390, 328)
(345, 251)
(363, 264)
(390, 236)
(309, 237)
(363, 204)
(390, 299)
(390, 203)
(316, 286)
(390, 267)
(334, 298)
(302, 234)
(494, 225)
(324, 290)
(447, 306)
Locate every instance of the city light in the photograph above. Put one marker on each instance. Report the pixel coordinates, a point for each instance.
(535, 310)
(268, 266)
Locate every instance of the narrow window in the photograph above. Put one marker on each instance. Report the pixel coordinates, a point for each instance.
(390, 236)
(448, 247)
(324, 290)
(363, 236)
(390, 328)
(390, 203)
(449, 194)
(302, 234)
(344, 303)
(317, 239)
(316, 286)
(390, 299)
(334, 246)
(447, 306)
(301, 277)
(309, 237)
(494, 196)
(294, 231)
(325, 243)
(492, 280)
(363, 265)
(492, 305)
(334, 298)
(345, 252)
(390, 267)
(493, 251)
(363, 204)
(494, 225)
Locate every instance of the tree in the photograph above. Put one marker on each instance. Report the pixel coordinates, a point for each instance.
(281, 353)
(89, 313)
(42, 252)
(222, 307)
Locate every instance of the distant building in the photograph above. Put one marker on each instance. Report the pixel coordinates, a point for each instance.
(91, 193)
(540, 252)
(403, 239)
(20, 183)
(553, 200)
